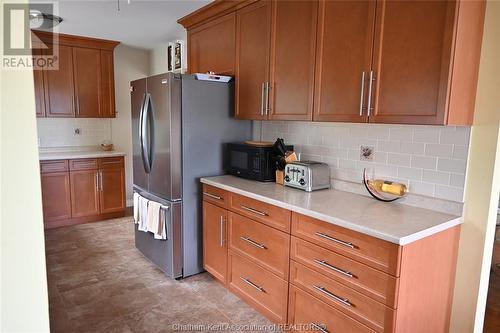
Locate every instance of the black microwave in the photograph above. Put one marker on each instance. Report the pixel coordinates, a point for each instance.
(251, 162)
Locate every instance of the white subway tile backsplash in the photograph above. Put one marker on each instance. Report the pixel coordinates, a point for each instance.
(450, 165)
(60, 132)
(431, 160)
(423, 162)
(438, 150)
(436, 177)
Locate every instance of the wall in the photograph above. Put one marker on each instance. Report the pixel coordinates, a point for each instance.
(23, 286)
(60, 132)
(130, 64)
(431, 160)
(482, 187)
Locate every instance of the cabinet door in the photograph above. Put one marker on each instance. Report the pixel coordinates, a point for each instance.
(211, 46)
(87, 73)
(58, 85)
(56, 198)
(107, 85)
(112, 189)
(412, 52)
(253, 36)
(292, 60)
(214, 241)
(38, 82)
(84, 193)
(345, 37)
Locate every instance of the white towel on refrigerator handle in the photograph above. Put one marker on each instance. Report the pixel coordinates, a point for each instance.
(162, 227)
(136, 207)
(153, 216)
(143, 214)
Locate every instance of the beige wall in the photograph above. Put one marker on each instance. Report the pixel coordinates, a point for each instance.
(482, 187)
(130, 64)
(23, 288)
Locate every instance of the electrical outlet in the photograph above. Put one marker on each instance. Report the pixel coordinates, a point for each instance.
(366, 153)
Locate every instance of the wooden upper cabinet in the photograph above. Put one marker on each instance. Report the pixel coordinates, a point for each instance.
(87, 82)
(253, 47)
(343, 60)
(58, 86)
(211, 46)
(107, 85)
(417, 66)
(38, 82)
(293, 53)
(83, 83)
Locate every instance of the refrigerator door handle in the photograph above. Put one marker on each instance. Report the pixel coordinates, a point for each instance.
(151, 130)
(142, 133)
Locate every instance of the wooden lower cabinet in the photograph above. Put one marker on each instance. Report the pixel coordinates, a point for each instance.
(319, 276)
(258, 287)
(307, 313)
(56, 196)
(82, 190)
(214, 241)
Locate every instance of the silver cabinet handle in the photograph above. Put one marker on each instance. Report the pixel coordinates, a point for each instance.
(319, 327)
(100, 180)
(97, 181)
(254, 243)
(333, 268)
(370, 86)
(323, 290)
(363, 74)
(258, 212)
(250, 283)
(262, 98)
(213, 196)
(111, 162)
(268, 87)
(325, 236)
(221, 231)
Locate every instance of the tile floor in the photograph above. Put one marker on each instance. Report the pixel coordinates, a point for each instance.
(99, 282)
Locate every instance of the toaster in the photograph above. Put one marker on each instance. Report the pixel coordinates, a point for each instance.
(307, 175)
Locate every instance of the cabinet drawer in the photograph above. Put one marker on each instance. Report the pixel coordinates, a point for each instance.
(374, 252)
(111, 162)
(309, 314)
(373, 314)
(215, 195)
(83, 164)
(53, 166)
(257, 286)
(267, 246)
(273, 216)
(368, 281)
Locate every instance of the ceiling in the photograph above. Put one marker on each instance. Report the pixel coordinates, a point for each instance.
(142, 23)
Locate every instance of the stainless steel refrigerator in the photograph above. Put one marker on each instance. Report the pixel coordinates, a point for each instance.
(179, 128)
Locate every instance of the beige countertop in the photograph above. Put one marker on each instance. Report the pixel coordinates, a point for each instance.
(393, 222)
(68, 154)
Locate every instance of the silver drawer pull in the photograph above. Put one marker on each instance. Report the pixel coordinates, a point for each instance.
(216, 197)
(325, 236)
(344, 301)
(319, 327)
(254, 210)
(254, 243)
(250, 283)
(333, 268)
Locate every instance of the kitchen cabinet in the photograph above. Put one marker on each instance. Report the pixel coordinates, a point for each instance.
(212, 46)
(83, 83)
(82, 190)
(58, 86)
(56, 197)
(38, 82)
(253, 49)
(299, 270)
(215, 241)
(293, 50)
(353, 61)
(87, 82)
(343, 60)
